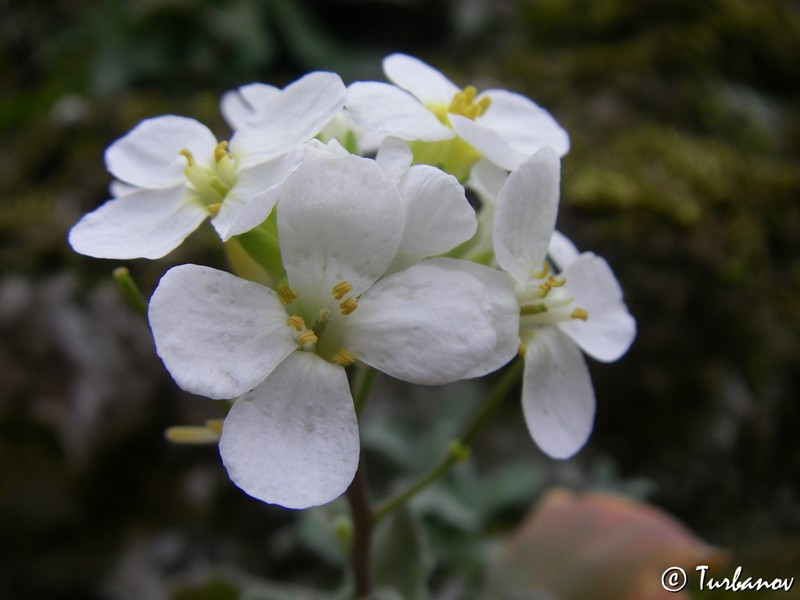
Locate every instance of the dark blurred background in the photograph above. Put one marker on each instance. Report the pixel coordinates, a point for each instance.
(684, 173)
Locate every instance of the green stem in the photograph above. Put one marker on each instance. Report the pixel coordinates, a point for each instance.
(130, 290)
(261, 244)
(457, 450)
(496, 396)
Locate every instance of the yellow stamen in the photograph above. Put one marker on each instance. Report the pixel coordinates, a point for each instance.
(186, 153)
(523, 348)
(463, 103)
(544, 272)
(215, 425)
(550, 283)
(579, 313)
(220, 151)
(297, 322)
(348, 305)
(213, 209)
(286, 294)
(191, 434)
(533, 309)
(340, 290)
(343, 357)
(307, 337)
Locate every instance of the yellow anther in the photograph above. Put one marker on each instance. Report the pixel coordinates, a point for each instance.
(191, 434)
(307, 337)
(533, 309)
(579, 313)
(469, 93)
(221, 151)
(523, 348)
(286, 294)
(296, 321)
(186, 153)
(463, 103)
(215, 425)
(213, 209)
(340, 290)
(550, 283)
(348, 305)
(343, 357)
(544, 272)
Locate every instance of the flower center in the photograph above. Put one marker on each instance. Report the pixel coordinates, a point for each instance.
(454, 156)
(463, 104)
(544, 301)
(329, 320)
(213, 183)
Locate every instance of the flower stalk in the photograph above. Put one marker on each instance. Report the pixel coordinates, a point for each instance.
(457, 450)
(131, 291)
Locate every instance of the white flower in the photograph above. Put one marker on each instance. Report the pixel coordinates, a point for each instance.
(452, 127)
(562, 313)
(173, 173)
(291, 437)
(250, 104)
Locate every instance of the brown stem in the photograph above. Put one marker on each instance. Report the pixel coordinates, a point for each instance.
(362, 533)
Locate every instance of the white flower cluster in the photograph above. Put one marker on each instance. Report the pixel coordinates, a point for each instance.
(360, 189)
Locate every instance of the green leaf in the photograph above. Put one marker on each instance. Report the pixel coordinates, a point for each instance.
(401, 557)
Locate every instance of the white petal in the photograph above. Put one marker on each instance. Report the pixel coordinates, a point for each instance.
(395, 158)
(557, 395)
(426, 324)
(523, 125)
(238, 106)
(391, 111)
(438, 215)
(500, 304)
(120, 188)
(419, 78)
(487, 179)
(610, 329)
(142, 224)
(343, 128)
(282, 122)
(315, 149)
(488, 142)
(526, 215)
(562, 251)
(293, 441)
(148, 156)
(218, 335)
(338, 220)
(251, 200)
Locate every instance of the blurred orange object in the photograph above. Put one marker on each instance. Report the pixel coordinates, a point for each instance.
(598, 546)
